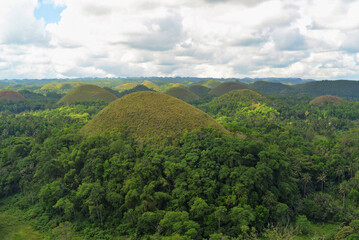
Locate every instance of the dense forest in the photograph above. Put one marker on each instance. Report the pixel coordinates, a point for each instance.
(286, 167)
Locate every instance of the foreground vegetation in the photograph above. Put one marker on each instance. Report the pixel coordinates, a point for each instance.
(288, 170)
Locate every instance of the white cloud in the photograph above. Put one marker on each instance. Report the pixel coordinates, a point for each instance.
(207, 38)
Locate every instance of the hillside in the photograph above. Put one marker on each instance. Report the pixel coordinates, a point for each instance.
(127, 86)
(340, 88)
(11, 95)
(3, 86)
(199, 89)
(209, 83)
(88, 93)
(181, 93)
(228, 103)
(151, 85)
(324, 100)
(138, 88)
(227, 87)
(269, 88)
(150, 116)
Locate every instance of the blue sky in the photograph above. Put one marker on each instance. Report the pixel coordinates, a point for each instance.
(202, 38)
(48, 11)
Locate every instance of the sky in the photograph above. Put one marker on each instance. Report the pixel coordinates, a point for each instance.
(312, 39)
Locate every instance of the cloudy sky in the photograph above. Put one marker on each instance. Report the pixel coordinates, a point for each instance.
(204, 38)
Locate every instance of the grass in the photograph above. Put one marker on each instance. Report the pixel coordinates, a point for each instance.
(11, 95)
(182, 93)
(88, 93)
(150, 116)
(225, 87)
(12, 228)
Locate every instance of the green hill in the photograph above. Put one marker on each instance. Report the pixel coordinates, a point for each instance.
(199, 89)
(228, 103)
(150, 116)
(182, 93)
(3, 86)
(11, 96)
(269, 88)
(151, 85)
(340, 88)
(127, 86)
(225, 87)
(324, 100)
(88, 93)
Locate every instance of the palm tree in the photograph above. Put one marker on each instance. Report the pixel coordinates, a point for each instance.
(344, 189)
(322, 178)
(306, 178)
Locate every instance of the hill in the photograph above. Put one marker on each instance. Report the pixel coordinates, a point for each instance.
(209, 83)
(327, 99)
(88, 93)
(11, 95)
(151, 85)
(199, 89)
(269, 88)
(138, 88)
(3, 86)
(340, 88)
(127, 86)
(227, 87)
(228, 103)
(150, 116)
(182, 93)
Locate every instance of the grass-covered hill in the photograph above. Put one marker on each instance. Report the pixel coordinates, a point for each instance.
(11, 96)
(127, 86)
(182, 93)
(229, 102)
(225, 87)
(269, 88)
(209, 83)
(150, 116)
(151, 85)
(3, 86)
(326, 99)
(199, 89)
(88, 93)
(138, 88)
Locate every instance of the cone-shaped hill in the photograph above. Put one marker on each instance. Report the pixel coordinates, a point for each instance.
(150, 116)
(88, 93)
(327, 99)
(228, 103)
(127, 86)
(225, 87)
(182, 93)
(199, 89)
(11, 96)
(151, 85)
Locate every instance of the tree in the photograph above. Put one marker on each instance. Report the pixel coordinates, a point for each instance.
(306, 178)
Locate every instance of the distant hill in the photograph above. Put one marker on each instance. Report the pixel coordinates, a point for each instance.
(225, 87)
(88, 93)
(150, 116)
(269, 88)
(126, 86)
(209, 83)
(199, 89)
(3, 86)
(324, 100)
(228, 103)
(138, 88)
(11, 96)
(151, 85)
(182, 93)
(340, 88)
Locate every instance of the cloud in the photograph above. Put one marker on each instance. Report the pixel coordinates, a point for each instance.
(208, 38)
(161, 34)
(289, 39)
